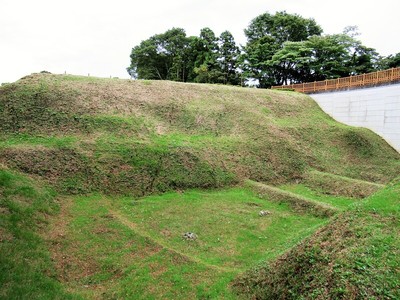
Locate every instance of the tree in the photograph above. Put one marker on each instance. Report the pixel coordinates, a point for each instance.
(282, 27)
(256, 58)
(329, 57)
(292, 62)
(206, 51)
(281, 48)
(391, 61)
(173, 43)
(324, 57)
(228, 55)
(162, 56)
(146, 62)
(266, 35)
(340, 55)
(364, 60)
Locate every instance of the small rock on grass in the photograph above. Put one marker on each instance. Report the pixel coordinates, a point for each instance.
(264, 213)
(189, 236)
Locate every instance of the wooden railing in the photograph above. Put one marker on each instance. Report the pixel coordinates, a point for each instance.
(363, 80)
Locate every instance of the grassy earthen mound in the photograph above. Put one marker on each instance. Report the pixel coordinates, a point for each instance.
(144, 137)
(107, 151)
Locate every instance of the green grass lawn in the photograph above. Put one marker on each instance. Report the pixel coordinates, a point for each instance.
(126, 247)
(107, 259)
(335, 201)
(230, 232)
(101, 246)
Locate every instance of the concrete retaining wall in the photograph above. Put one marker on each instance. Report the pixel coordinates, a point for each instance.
(376, 108)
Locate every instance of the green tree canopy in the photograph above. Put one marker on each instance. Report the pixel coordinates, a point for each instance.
(282, 27)
(228, 56)
(391, 61)
(205, 50)
(266, 35)
(323, 57)
(281, 48)
(162, 56)
(256, 58)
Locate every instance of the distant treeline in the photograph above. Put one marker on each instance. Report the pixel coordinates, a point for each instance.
(281, 48)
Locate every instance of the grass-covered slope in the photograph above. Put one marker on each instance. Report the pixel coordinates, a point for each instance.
(84, 134)
(100, 178)
(356, 256)
(26, 269)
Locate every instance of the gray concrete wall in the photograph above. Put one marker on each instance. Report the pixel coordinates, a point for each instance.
(376, 108)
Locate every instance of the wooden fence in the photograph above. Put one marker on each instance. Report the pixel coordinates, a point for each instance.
(370, 79)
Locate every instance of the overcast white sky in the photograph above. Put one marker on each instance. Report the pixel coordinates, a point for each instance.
(96, 36)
